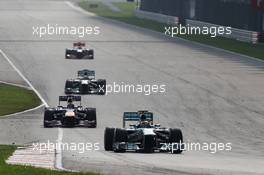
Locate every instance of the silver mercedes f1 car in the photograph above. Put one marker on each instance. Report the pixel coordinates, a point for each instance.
(144, 136)
(85, 83)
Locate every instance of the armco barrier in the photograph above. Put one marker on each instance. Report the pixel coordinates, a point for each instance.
(157, 17)
(238, 34)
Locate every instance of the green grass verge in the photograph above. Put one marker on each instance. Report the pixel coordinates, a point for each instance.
(5, 169)
(126, 15)
(15, 99)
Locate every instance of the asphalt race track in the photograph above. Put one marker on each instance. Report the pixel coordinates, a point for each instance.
(212, 95)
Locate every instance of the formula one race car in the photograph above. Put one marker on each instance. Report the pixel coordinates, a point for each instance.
(70, 115)
(143, 136)
(79, 52)
(85, 84)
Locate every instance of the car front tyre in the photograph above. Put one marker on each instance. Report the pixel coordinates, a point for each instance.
(109, 138)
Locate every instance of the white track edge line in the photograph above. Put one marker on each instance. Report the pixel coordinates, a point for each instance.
(59, 159)
(23, 77)
(58, 153)
(15, 84)
(22, 112)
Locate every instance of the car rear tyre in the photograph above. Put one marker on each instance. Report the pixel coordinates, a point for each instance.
(67, 54)
(91, 54)
(48, 117)
(91, 116)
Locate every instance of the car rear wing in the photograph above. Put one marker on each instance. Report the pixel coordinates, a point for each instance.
(135, 116)
(86, 73)
(72, 97)
(79, 44)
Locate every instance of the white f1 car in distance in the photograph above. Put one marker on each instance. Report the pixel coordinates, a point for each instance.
(79, 51)
(143, 136)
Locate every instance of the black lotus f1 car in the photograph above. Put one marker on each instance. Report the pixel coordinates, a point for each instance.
(70, 115)
(79, 51)
(85, 84)
(143, 136)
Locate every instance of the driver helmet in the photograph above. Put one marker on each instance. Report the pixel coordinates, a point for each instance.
(144, 121)
(70, 103)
